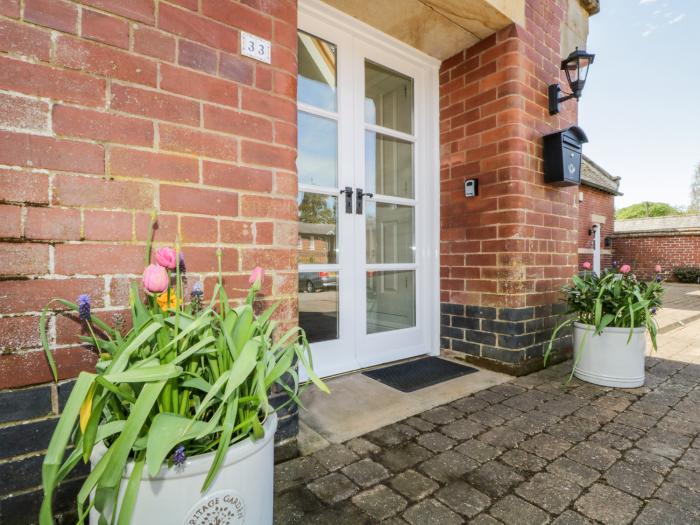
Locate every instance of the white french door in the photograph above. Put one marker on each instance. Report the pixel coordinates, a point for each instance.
(368, 175)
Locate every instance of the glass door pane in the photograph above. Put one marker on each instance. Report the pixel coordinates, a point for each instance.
(317, 201)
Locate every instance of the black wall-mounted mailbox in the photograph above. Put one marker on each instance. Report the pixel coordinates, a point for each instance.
(562, 156)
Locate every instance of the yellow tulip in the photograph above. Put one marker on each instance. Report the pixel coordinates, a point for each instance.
(163, 300)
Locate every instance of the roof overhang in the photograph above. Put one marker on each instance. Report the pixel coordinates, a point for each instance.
(439, 28)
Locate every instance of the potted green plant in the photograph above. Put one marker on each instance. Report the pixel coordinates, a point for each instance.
(175, 420)
(611, 314)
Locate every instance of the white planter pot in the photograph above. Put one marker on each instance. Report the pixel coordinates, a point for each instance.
(608, 359)
(242, 493)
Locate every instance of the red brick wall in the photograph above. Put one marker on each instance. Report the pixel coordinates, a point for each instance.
(111, 110)
(595, 202)
(644, 251)
(514, 245)
(114, 109)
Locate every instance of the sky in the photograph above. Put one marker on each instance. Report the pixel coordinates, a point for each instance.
(640, 107)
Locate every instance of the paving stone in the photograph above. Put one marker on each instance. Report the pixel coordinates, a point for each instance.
(366, 472)
(549, 491)
(478, 450)
(633, 479)
(469, 405)
(612, 402)
(362, 447)
(441, 415)
(490, 396)
(413, 485)
(636, 420)
(533, 422)
(625, 431)
(448, 466)
(546, 446)
(573, 471)
(335, 456)
(685, 478)
(610, 440)
(691, 459)
(435, 441)
(463, 498)
(522, 460)
(655, 410)
(562, 406)
(462, 429)
(291, 506)
(484, 519)
(608, 505)
(658, 512)
(333, 488)
(503, 437)
(344, 513)
(593, 455)
(679, 496)
(573, 429)
(420, 424)
(527, 401)
(570, 517)
(595, 413)
(512, 510)
(660, 448)
(677, 424)
(509, 389)
(647, 459)
(400, 458)
(503, 411)
(380, 502)
(431, 512)
(391, 435)
(494, 478)
(487, 419)
(298, 471)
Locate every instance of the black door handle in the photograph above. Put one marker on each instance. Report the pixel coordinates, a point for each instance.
(348, 199)
(358, 202)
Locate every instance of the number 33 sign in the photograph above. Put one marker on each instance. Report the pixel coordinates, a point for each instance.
(255, 47)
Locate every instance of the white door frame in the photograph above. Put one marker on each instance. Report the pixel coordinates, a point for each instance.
(356, 41)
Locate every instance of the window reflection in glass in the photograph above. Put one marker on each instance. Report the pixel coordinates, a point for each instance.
(318, 305)
(388, 98)
(317, 228)
(316, 83)
(388, 165)
(389, 233)
(391, 300)
(317, 160)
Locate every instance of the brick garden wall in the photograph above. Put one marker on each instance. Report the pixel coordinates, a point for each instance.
(601, 203)
(643, 251)
(506, 253)
(110, 110)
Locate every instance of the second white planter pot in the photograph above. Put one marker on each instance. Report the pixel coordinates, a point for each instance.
(242, 492)
(609, 359)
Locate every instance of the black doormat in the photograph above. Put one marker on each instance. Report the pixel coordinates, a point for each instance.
(421, 373)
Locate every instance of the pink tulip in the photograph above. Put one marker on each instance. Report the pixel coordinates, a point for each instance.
(256, 276)
(167, 258)
(155, 278)
(625, 268)
(586, 265)
(657, 268)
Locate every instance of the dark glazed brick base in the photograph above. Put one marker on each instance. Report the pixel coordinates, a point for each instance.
(511, 340)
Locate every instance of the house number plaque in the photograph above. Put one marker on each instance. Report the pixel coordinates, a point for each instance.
(225, 507)
(255, 47)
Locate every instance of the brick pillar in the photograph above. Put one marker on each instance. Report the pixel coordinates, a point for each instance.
(111, 110)
(506, 253)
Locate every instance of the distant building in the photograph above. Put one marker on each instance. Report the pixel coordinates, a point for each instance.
(596, 214)
(670, 242)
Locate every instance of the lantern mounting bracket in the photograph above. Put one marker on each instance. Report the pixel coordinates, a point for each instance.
(555, 100)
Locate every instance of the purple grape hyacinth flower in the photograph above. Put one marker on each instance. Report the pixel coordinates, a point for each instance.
(179, 456)
(183, 268)
(84, 307)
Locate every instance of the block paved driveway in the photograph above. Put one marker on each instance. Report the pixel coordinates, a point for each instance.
(529, 451)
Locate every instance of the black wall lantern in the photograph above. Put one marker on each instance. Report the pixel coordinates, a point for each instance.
(576, 68)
